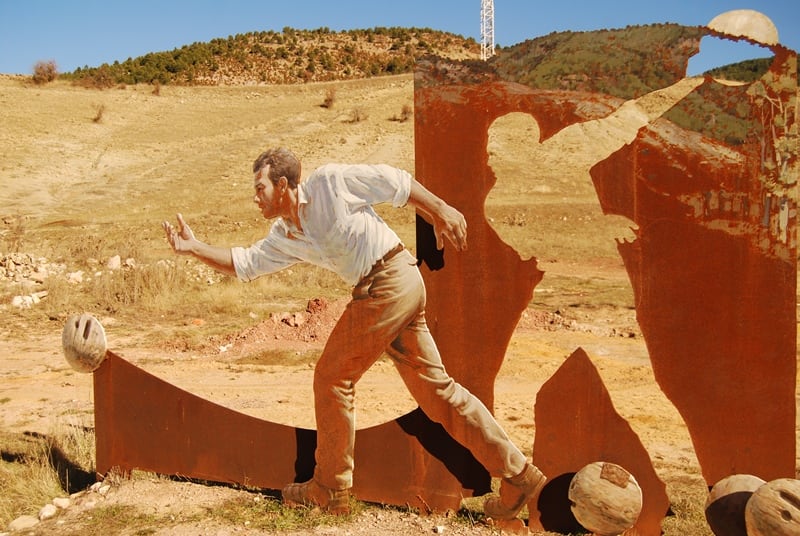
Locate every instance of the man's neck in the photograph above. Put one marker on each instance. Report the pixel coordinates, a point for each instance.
(292, 212)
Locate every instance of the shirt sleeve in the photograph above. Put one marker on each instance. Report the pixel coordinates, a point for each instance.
(377, 183)
(264, 257)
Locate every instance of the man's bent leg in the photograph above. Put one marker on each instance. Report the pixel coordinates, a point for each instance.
(446, 401)
(466, 419)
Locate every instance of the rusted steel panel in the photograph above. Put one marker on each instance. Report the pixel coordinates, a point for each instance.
(714, 270)
(145, 423)
(713, 264)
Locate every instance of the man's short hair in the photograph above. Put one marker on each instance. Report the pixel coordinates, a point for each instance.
(282, 163)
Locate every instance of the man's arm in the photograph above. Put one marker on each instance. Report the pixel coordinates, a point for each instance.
(183, 242)
(447, 221)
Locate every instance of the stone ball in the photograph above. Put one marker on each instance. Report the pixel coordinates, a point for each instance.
(605, 498)
(84, 342)
(774, 509)
(726, 502)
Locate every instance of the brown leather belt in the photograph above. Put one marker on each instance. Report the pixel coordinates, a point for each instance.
(391, 253)
(383, 260)
(386, 258)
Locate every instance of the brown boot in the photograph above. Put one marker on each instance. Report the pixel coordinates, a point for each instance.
(515, 492)
(333, 501)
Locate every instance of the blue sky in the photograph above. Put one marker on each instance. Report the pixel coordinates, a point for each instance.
(77, 33)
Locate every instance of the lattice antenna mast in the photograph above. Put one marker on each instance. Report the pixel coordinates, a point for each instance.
(487, 29)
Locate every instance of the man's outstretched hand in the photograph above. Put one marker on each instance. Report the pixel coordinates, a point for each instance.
(181, 238)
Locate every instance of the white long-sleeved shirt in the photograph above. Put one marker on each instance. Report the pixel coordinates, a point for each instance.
(340, 229)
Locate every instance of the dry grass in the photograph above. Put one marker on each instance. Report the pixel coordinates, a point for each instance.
(37, 468)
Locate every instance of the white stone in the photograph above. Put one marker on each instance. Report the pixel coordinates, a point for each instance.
(114, 263)
(47, 511)
(62, 502)
(23, 523)
(40, 274)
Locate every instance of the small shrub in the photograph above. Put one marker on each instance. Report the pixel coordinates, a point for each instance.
(44, 72)
(330, 98)
(405, 114)
(98, 116)
(357, 115)
(156, 88)
(14, 235)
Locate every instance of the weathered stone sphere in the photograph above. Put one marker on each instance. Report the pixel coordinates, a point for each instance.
(774, 509)
(606, 499)
(726, 502)
(84, 342)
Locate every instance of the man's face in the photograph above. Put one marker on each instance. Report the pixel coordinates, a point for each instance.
(266, 194)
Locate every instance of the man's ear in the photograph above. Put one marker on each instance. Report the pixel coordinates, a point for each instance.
(283, 183)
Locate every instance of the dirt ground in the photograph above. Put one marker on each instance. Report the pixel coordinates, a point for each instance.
(97, 162)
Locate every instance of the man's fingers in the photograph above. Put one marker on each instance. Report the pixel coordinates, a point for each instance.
(461, 236)
(455, 234)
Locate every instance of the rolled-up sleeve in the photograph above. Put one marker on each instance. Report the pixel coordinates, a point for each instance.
(402, 184)
(264, 257)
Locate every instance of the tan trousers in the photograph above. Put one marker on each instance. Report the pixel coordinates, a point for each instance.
(387, 313)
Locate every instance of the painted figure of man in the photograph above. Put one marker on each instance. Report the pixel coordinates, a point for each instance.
(328, 220)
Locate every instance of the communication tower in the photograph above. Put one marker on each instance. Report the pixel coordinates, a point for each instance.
(487, 29)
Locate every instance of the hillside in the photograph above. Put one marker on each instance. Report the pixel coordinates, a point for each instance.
(653, 56)
(560, 60)
(290, 56)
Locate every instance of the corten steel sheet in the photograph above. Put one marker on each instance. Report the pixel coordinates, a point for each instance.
(574, 409)
(713, 264)
(145, 423)
(714, 271)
